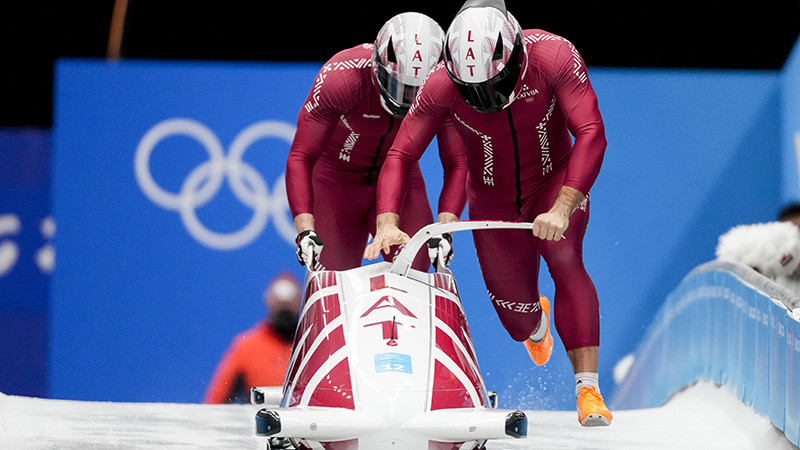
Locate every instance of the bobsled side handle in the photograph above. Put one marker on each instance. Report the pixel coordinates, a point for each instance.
(402, 262)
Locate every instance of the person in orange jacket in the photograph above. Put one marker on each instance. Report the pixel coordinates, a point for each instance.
(259, 356)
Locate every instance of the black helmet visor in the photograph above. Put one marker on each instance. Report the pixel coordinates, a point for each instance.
(397, 94)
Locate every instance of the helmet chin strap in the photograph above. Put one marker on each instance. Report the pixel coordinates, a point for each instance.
(385, 106)
(515, 92)
(388, 109)
(518, 88)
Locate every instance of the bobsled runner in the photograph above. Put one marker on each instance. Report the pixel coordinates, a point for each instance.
(383, 359)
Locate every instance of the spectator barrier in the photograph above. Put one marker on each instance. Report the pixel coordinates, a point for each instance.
(727, 324)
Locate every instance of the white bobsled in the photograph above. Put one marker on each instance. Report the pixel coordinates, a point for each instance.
(383, 359)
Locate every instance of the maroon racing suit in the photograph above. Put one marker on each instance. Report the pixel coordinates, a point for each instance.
(342, 138)
(518, 159)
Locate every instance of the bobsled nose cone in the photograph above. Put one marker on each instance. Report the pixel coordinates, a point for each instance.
(393, 444)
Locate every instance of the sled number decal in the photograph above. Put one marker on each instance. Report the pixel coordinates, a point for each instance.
(392, 362)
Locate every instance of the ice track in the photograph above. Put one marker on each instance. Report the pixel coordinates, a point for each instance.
(701, 417)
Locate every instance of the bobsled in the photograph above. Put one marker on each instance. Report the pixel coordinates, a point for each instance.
(383, 359)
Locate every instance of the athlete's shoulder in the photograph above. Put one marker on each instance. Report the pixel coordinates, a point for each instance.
(436, 88)
(549, 52)
(541, 42)
(351, 59)
(341, 81)
(438, 75)
(437, 81)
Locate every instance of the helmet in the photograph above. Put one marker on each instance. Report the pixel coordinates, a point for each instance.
(485, 55)
(284, 293)
(407, 48)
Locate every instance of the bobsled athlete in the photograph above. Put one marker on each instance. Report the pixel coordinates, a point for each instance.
(517, 98)
(344, 130)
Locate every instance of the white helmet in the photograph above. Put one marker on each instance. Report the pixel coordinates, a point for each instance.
(407, 48)
(485, 54)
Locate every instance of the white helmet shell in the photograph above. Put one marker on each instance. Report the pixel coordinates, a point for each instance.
(485, 55)
(408, 46)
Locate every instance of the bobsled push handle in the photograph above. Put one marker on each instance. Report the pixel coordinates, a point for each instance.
(402, 262)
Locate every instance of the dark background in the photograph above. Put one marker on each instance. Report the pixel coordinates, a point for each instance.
(677, 34)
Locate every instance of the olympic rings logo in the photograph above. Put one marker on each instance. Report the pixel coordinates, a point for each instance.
(205, 181)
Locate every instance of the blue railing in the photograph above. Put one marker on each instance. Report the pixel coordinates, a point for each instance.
(727, 324)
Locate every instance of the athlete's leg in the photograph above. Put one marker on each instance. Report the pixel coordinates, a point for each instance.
(576, 312)
(576, 308)
(510, 267)
(339, 219)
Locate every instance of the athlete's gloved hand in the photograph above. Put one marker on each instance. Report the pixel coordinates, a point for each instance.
(440, 250)
(309, 246)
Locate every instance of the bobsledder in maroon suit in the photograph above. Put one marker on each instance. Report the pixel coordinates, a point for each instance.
(517, 99)
(344, 130)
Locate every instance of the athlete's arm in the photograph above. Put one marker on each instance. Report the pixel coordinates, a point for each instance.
(578, 101)
(452, 153)
(316, 123)
(307, 147)
(415, 133)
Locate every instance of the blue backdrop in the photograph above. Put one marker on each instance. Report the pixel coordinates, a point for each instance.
(169, 196)
(171, 221)
(790, 130)
(26, 259)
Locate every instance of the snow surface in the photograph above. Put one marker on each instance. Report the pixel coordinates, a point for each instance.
(703, 416)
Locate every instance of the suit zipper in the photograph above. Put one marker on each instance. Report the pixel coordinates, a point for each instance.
(517, 180)
(374, 165)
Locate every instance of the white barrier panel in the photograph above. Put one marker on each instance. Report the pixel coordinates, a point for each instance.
(727, 324)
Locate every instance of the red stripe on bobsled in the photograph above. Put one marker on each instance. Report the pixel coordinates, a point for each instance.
(435, 445)
(446, 282)
(449, 312)
(319, 281)
(448, 392)
(330, 344)
(351, 444)
(379, 282)
(376, 283)
(318, 314)
(445, 344)
(335, 390)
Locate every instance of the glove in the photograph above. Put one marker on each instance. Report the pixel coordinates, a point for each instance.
(309, 246)
(440, 250)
